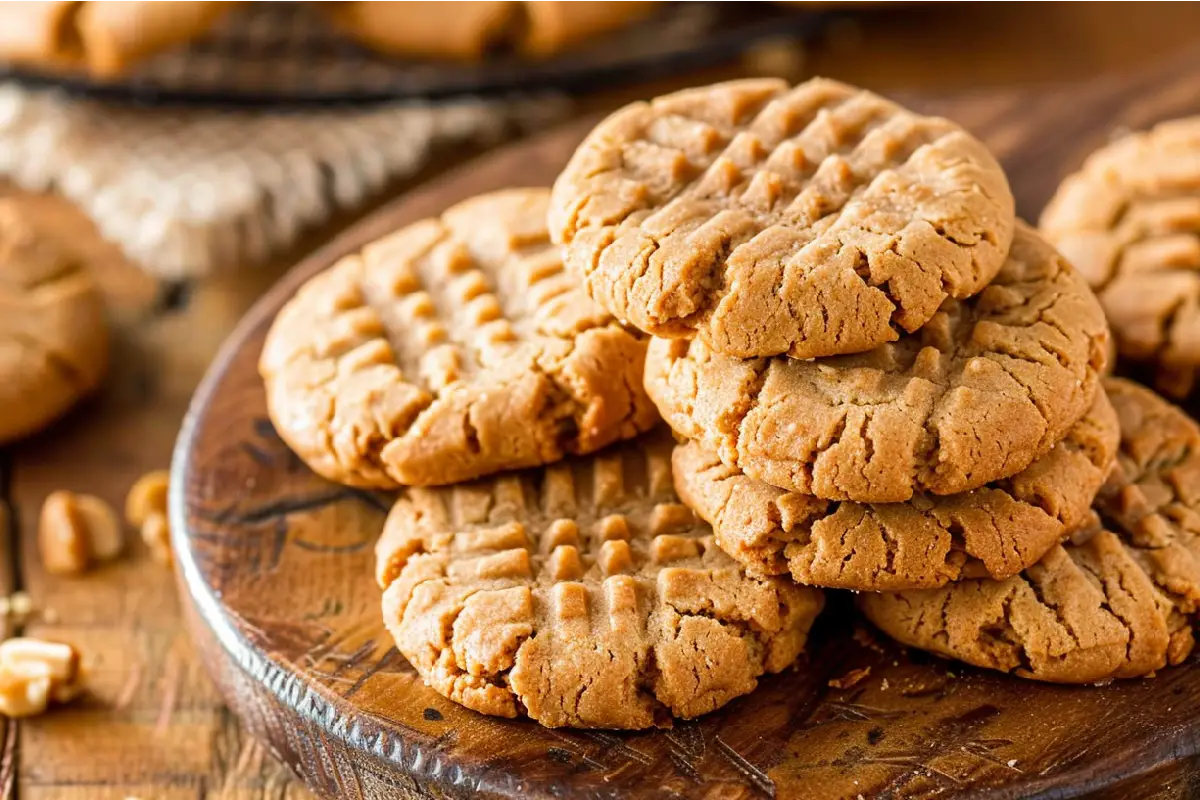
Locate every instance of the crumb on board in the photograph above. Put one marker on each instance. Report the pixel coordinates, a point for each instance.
(851, 678)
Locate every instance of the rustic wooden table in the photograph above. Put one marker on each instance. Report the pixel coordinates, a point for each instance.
(151, 725)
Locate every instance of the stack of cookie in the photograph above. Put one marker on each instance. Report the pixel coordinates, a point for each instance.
(579, 590)
(883, 380)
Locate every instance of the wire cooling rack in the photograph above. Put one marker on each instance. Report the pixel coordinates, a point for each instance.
(280, 54)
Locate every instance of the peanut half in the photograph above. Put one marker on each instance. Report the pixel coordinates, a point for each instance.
(77, 530)
(34, 673)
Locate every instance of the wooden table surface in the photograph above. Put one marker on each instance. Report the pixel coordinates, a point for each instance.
(151, 725)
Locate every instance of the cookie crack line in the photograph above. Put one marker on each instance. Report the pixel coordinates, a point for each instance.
(684, 213)
(453, 348)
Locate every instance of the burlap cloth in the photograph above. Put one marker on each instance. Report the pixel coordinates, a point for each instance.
(186, 192)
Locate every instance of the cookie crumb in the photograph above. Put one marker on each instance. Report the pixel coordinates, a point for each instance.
(883, 685)
(851, 678)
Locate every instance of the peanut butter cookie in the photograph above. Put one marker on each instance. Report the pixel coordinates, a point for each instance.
(53, 333)
(451, 349)
(105, 37)
(1129, 220)
(117, 35)
(582, 594)
(808, 221)
(40, 33)
(995, 531)
(1116, 602)
(473, 30)
(985, 388)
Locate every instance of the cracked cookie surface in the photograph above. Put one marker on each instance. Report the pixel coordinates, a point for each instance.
(581, 594)
(1129, 220)
(454, 348)
(1116, 602)
(53, 332)
(810, 221)
(995, 531)
(982, 390)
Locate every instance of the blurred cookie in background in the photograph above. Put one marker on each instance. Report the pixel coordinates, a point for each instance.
(103, 38)
(464, 31)
(1129, 220)
(116, 35)
(53, 332)
(472, 30)
(39, 33)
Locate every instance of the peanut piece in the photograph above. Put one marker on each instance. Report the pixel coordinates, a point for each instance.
(105, 537)
(34, 672)
(62, 540)
(22, 695)
(76, 530)
(156, 533)
(147, 496)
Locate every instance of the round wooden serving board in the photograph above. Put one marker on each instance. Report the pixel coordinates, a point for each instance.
(275, 566)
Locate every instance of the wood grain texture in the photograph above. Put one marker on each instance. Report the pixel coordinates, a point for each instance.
(276, 573)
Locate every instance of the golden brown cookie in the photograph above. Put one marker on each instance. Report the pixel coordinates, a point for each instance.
(116, 34)
(471, 30)
(807, 221)
(548, 27)
(454, 348)
(105, 37)
(53, 333)
(1117, 602)
(582, 594)
(40, 33)
(985, 388)
(995, 531)
(466, 30)
(1129, 220)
